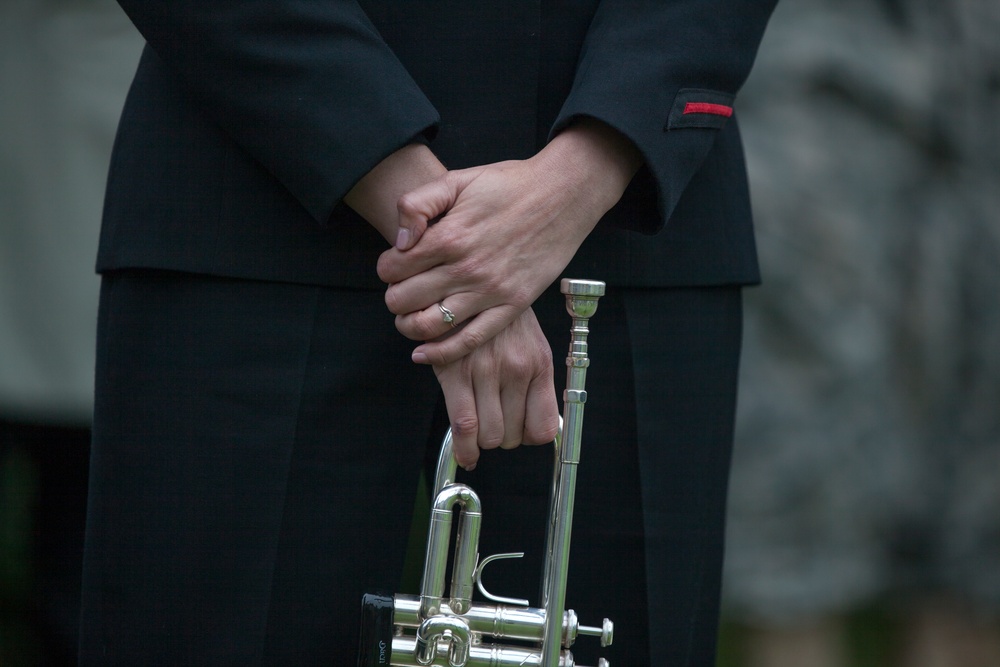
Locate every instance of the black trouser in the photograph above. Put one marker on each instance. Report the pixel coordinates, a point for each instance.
(257, 448)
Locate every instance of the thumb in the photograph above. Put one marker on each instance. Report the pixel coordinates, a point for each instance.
(421, 207)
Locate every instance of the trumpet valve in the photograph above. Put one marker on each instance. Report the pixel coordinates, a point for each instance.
(606, 632)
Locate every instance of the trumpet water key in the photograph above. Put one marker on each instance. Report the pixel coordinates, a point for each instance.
(451, 630)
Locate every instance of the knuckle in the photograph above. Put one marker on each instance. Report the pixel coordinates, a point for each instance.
(492, 283)
(384, 268)
(392, 302)
(465, 426)
(407, 330)
(513, 438)
(542, 357)
(522, 296)
(516, 371)
(422, 329)
(491, 441)
(541, 435)
(522, 367)
(407, 204)
(472, 340)
(512, 443)
(438, 357)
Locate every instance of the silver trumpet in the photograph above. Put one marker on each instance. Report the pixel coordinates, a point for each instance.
(453, 631)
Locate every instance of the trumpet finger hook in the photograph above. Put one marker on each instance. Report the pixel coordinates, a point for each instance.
(482, 589)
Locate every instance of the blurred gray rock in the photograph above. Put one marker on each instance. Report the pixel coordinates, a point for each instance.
(868, 438)
(65, 66)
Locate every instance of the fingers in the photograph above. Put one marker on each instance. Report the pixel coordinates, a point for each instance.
(460, 400)
(467, 339)
(503, 393)
(418, 208)
(541, 413)
(541, 417)
(443, 317)
(478, 420)
(416, 292)
(483, 415)
(511, 431)
(489, 409)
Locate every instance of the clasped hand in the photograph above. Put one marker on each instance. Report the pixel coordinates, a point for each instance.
(501, 239)
(503, 233)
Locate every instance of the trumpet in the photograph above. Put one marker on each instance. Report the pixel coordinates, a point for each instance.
(431, 629)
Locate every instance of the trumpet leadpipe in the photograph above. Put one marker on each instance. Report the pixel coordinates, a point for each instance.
(581, 304)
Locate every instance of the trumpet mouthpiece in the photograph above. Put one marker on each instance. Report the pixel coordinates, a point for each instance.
(581, 296)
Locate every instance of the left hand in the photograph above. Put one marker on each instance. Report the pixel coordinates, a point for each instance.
(508, 231)
(503, 393)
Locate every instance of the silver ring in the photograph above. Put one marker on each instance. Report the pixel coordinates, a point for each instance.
(447, 315)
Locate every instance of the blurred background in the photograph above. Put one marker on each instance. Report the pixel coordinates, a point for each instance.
(64, 68)
(865, 503)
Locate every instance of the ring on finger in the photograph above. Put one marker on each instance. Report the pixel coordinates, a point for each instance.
(446, 315)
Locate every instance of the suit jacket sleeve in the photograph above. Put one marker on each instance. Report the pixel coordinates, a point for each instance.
(309, 89)
(641, 65)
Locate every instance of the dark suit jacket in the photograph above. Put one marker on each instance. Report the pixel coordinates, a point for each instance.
(250, 119)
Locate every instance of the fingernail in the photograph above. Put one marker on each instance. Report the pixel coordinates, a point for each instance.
(402, 238)
(470, 467)
(419, 358)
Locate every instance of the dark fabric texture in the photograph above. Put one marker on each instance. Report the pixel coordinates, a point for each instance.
(263, 478)
(249, 120)
(259, 428)
(240, 429)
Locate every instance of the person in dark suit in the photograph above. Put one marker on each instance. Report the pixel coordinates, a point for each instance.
(260, 425)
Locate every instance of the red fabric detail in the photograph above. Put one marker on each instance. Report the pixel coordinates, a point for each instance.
(705, 107)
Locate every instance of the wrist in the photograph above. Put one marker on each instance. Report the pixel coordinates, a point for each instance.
(596, 157)
(375, 195)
